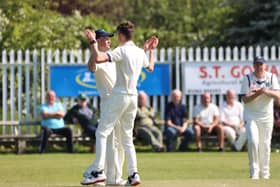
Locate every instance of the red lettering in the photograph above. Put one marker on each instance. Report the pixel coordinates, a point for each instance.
(234, 71)
(216, 69)
(203, 72)
(274, 70)
(246, 69)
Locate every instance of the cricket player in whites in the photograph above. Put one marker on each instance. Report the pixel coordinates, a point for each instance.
(259, 88)
(105, 77)
(121, 105)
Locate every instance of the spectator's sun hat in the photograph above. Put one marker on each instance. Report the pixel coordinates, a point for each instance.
(102, 33)
(83, 96)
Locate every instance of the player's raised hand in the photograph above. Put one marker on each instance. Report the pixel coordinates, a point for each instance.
(147, 44)
(90, 35)
(151, 43)
(154, 43)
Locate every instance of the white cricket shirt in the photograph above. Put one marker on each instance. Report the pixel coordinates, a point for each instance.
(232, 114)
(206, 115)
(262, 107)
(105, 77)
(129, 61)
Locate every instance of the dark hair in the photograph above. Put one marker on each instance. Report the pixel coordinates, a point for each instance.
(127, 29)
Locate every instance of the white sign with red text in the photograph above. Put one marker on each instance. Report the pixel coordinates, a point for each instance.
(217, 77)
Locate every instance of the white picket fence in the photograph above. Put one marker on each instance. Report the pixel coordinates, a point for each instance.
(25, 75)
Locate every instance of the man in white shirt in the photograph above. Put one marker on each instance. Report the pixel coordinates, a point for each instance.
(105, 77)
(206, 121)
(122, 102)
(232, 119)
(259, 88)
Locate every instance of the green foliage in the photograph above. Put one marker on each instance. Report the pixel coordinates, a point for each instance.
(257, 22)
(60, 23)
(182, 23)
(28, 27)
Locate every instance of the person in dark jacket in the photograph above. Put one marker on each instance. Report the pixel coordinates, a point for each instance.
(84, 114)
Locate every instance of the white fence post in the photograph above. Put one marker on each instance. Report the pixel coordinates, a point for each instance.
(170, 61)
(57, 56)
(162, 98)
(250, 56)
(235, 54)
(191, 97)
(265, 53)
(35, 75)
(49, 61)
(4, 89)
(273, 53)
(205, 54)
(183, 61)
(19, 80)
(213, 57)
(177, 68)
(220, 54)
(258, 51)
(12, 84)
(27, 87)
(279, 52)
(243, 54)
(43, 80)
(12, 88)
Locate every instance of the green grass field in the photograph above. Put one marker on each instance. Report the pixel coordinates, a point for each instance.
(160, 170)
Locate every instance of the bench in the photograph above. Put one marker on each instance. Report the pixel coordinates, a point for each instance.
(20, 139)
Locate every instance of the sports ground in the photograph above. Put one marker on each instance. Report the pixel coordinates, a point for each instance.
(207, 169)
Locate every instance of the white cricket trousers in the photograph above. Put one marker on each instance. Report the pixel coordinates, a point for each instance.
(114, 152)
(114, 157)
(259, 139)
(122, 108)
(231, 135)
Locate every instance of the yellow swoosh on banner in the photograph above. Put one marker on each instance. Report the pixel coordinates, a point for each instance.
(143, 76)
(78, 80)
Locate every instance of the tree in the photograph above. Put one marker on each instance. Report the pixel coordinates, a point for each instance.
(257, 22)
(30, 25)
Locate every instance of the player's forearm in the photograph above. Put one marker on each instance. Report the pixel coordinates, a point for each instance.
(150, 68)
(97, 56)
(273, 93)
(250, 97)
(91, 64)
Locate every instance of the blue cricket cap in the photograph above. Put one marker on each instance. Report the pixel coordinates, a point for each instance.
(102, 33)
(259, 59)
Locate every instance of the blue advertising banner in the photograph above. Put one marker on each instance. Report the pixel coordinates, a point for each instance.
(70, 80)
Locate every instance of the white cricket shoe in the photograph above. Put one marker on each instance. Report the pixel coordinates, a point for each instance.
(265, 177)
(255, 177)
(133, 180)
(99, 184)
(94, 178)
